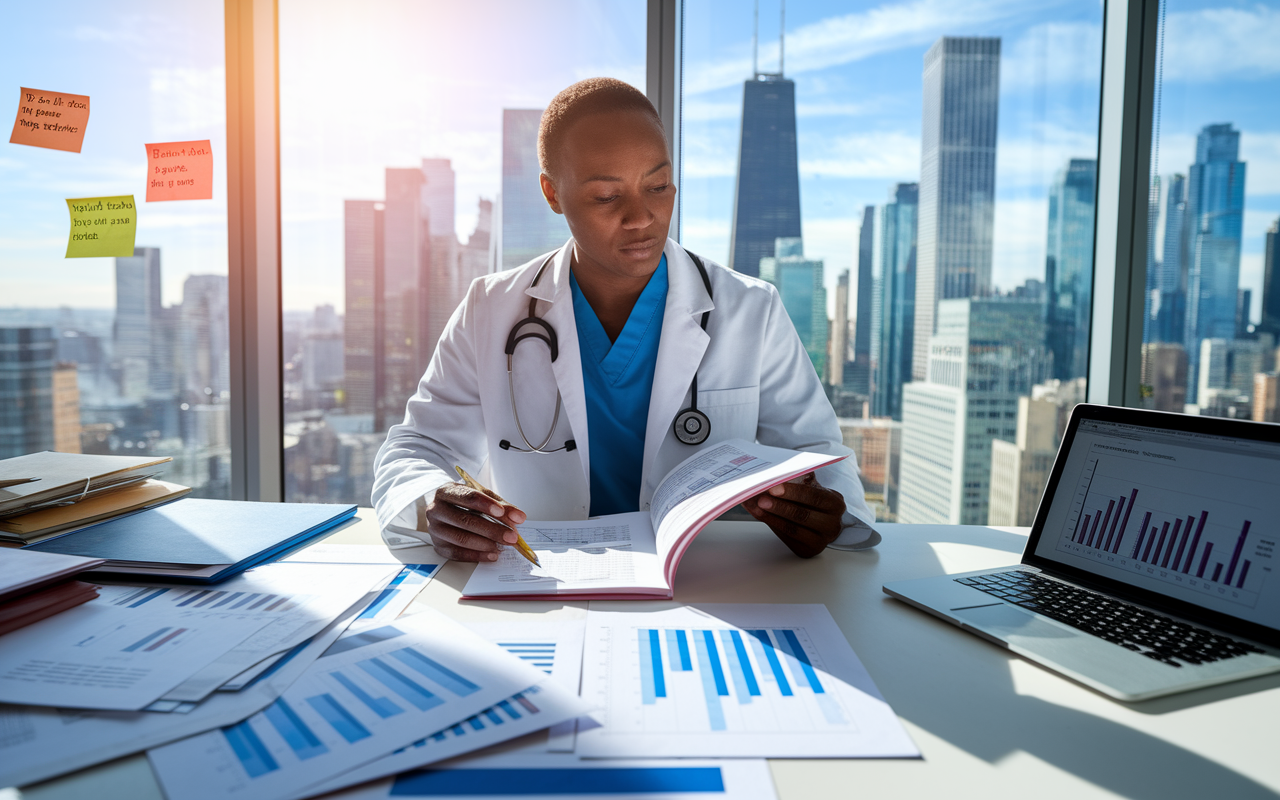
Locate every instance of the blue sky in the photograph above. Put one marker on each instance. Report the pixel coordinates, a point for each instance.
(367, 86)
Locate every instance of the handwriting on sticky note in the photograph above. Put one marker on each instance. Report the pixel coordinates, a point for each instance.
(179, 171)
(102, 226)
(51, 119)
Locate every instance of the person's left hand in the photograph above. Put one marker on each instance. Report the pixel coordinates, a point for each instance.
(804, 514)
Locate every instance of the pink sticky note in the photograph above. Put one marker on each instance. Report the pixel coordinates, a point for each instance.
(50, 119)
(179, 171)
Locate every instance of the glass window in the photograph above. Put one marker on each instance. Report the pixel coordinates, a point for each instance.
(121, 355)
(923, 182)
(408, 168)
(1212, 302)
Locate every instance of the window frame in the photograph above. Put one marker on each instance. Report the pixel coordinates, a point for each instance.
(253, 227)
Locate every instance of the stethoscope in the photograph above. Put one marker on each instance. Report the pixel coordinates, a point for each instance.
(690, 426)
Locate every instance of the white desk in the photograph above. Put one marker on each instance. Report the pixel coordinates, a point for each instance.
(989, 725)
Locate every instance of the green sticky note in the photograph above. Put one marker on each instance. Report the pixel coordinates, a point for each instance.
(102, 226)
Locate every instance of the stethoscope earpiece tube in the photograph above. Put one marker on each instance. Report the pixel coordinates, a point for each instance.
(691, 426)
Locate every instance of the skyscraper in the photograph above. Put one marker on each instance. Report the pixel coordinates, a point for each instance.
(957, 179)
(1166, 302)
(839, 333)
(1270, 322)
(766, 201)
(799, 282)
(1215, 219)
(406, 255)
(1069, 266)
(895, 323)
(138, 316)
(986, 354)
(362, 339)
(205, 350)
(857, 377)
(444, 283)
(26, 390)
(528, 226)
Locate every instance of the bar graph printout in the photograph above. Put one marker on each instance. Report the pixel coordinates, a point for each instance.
(767, 681)
(43, 742)
(555, 648)
(567, 778)
(373, 692)
(1194, 522)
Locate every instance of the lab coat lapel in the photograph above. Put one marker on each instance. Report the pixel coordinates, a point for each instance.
(567, 368)
(679, 354)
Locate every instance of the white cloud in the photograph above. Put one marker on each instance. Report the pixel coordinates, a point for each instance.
(1052, 54)
(890, 155)
(853, 37)
(1032, 161)
(1216, 43)
(1019, 241)
(187, 101)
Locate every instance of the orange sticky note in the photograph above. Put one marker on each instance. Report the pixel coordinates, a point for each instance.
(51, 119)
(179, 171)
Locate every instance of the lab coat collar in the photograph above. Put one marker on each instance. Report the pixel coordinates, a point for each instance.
(679, 356)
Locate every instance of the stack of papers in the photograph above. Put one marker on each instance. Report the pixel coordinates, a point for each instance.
(199, 540)
(45, 480)
(35, 586)
(37, 525)
(302, 603)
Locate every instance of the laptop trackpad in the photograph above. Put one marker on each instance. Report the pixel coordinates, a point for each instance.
(1011, 624)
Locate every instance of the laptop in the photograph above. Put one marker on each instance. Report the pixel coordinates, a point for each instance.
(1152, 563)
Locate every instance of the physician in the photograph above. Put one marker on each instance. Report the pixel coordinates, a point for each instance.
(572, 384)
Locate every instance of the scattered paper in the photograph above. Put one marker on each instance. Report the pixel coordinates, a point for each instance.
(373, 692)
(102, 226)
(51, 119)
(720, 680)
(179, 171)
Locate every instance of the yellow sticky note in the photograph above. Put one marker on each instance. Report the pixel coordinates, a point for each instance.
(102, 226)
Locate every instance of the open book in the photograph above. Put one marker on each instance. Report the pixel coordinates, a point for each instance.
(624, 556)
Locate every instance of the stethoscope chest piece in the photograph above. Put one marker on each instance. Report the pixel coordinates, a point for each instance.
(692, 426)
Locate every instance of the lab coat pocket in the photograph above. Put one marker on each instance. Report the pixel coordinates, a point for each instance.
(734, 413)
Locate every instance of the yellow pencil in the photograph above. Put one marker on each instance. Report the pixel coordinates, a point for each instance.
(522, 547)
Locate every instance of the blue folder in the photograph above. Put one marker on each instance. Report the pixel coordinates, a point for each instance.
(196, 534)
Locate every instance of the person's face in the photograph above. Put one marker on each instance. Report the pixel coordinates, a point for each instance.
(614, 188)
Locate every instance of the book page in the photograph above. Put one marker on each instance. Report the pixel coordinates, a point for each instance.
(706, 485)
(611, 552)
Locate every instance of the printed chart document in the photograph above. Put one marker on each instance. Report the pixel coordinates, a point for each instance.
(40, 743)
(745, 680)
(564, 777)
(371, 693)
(134, 645)
(635, 555)
(554, 647)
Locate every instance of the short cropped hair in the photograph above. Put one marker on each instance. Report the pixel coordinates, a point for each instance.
(591, 96)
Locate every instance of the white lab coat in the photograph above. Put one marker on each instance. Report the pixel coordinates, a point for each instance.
(755, 382)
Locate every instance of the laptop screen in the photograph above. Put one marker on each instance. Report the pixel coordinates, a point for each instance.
(1175, 508)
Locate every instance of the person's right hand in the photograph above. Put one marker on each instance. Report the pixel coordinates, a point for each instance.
(460, 532)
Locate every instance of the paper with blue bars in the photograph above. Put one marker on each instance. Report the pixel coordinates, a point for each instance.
(375, 690)
(772, 681)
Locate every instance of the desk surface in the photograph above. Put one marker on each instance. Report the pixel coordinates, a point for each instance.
(988, 724)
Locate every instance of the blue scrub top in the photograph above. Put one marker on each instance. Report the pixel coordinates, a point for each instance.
(618, 379)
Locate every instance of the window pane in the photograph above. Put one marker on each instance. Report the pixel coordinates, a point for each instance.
(920, 186)
(121, 355)
(1212, 298)
(408, 168)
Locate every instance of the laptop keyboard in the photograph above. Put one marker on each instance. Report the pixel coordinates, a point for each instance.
(1158, 637)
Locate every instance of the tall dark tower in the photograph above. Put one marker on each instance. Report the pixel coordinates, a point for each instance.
(766, 201)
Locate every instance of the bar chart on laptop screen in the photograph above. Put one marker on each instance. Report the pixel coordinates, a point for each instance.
(1179, 518)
